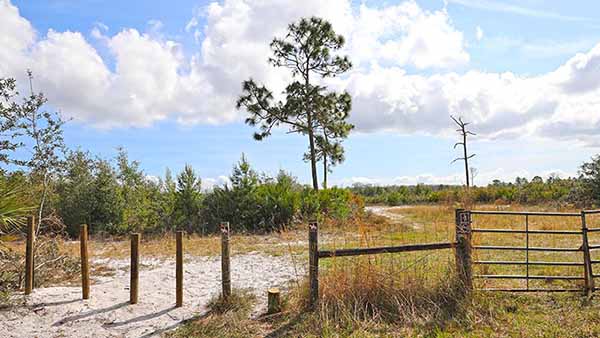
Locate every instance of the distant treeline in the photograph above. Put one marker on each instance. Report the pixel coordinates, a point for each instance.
(583, 190)
(116, 196)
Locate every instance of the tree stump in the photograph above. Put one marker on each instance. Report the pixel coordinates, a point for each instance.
(273, 301)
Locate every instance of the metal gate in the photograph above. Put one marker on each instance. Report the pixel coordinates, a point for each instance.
(581, 259)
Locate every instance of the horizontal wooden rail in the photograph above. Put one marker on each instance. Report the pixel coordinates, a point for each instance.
(591, 212)
(524, 248)
(593, 229)
(517, 231)
(593, 247)
(525, 213)
(528, 263)
(531, 290)
(528, 277)
(385, 249)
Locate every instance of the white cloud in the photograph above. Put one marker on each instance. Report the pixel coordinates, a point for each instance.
(481, 179)
(478, 33)
(406, 35)
(17, 35)
(209, 183)
(562, 103)
(153, 80)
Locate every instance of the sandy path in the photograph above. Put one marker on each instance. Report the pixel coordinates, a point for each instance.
(60, 312)
(393, 217)
(385, 212)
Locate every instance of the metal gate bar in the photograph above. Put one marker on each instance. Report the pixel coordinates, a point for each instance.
(529, 263)
(587, 276)
(524, 248)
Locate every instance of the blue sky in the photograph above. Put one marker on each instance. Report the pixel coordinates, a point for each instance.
(160, 79)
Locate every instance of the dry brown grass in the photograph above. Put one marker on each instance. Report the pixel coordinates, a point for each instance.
(194, 245)
(415, 294)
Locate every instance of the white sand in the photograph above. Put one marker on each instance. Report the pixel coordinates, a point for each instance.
(60, 312)
(393, 217)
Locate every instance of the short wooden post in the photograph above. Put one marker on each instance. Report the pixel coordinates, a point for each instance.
(463, 247)
(29, 255)
(135, 273)
(225, 266)
(85, 267)
(273, 301)
(313, 263)
(587, 260)
(179, 270)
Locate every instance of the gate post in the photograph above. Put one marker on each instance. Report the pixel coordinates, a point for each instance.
(29, 253)
(135, 268)
(587, 261)
(85, 264)
(179, 269)
(463, 247)
(225, 263)
(313, 263)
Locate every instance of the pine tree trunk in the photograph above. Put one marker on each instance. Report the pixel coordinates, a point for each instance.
(324, 171)
(313, 161)
(311, 136)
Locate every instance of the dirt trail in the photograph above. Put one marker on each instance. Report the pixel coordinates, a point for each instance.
(392, 215)
(60, 312)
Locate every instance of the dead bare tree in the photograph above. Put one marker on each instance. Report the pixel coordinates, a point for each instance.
(474, 171)
(463, 132)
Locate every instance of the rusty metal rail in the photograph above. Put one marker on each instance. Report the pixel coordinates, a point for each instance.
(585, 248)
(541, 263)
(517, 231)
(525, 213)
(525, 248)
(529, 277)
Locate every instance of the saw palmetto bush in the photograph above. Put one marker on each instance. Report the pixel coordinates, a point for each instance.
(12, 208)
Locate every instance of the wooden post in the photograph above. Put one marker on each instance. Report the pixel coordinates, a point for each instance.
(463, 247)
(135, 273)
(179, 270)
(225, 266)
(85, 266)
(587, 260)
(29, 255)
(313, 263)
(273, 301)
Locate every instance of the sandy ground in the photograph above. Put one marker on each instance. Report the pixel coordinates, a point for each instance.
(60, 312)
(392, 214)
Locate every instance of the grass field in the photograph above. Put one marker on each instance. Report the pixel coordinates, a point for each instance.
(412, 294)
(397, 295)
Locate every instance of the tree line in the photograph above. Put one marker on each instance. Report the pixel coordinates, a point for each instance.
(582, 191)
(115, 196)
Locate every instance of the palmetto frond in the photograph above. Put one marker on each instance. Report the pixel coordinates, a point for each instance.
(12, 208)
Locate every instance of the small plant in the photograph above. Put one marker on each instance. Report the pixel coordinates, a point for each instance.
(238, 301)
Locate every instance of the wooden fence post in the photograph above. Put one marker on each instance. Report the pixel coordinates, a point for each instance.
(179, 270)
(85, 266)
(135, 273)
(587, 260)
(463, 247)
(29, 255)
(313, 263)
(225, 266)
(273, 301)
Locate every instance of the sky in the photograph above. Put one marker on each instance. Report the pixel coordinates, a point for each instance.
(160, 78)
